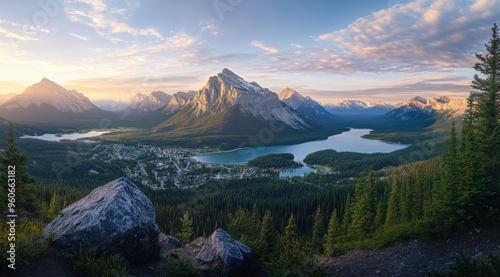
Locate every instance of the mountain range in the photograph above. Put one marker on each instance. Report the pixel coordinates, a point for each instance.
(226, 106)
(359, 107)
(419, 107)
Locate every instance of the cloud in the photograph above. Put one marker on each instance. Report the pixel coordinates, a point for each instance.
(454, 87)
(106, 21)
(209, 27)
(417, 36)
(80, 37)
(261, 45)
(25, 32)
(179, 42)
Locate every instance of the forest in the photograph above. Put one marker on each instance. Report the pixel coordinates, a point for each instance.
(289, 222)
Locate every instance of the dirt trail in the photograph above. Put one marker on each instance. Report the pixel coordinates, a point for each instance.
(414, 258)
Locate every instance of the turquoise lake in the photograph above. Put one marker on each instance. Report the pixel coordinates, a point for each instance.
(349, 141)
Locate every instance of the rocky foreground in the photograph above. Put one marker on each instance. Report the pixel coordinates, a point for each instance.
(118, 218)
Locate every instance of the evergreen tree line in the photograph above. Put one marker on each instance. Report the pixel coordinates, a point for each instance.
(469, 193)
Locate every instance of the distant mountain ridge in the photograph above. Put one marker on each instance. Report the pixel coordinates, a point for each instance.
(48, 93)
(358, 106)
(420, 107)
(304, 105)
(147, 103)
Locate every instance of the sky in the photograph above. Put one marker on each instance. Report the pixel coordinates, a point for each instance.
(330, 50)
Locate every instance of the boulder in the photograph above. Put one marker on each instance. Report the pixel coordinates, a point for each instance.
(221, 249)
(116, 218)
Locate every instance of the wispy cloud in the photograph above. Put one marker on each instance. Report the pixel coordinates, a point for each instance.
(261, 45)
(210, 27)
(417, 36)
(80, 37)
(25, 32)
(105, 21)
(180, 41)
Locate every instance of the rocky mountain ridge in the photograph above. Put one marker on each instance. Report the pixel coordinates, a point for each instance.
(304, 105)
(47, 92)
(419, 106)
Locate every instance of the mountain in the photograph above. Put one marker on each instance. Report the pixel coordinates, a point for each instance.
(49, 103)
(6, 97)
(47, 94)
(143, 103)
(230, 106)
(110, 105)
(179, 100)
(359, 107)
(420, 107)
(228, 89)
(305, 106)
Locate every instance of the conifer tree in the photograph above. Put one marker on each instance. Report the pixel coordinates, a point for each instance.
(486, 87)
(332, 234)
(14, 161)
(267, 236)
(363, 212)
(55, 205)
(318, 231)
(291, 247)
(393, 216)
(186, 233)
(446, 210)
(347, 217)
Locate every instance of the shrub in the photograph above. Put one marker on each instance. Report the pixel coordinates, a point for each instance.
(181, 268)
(105, 266)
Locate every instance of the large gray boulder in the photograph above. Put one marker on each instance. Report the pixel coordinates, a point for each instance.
(221, 249)
(116, 218)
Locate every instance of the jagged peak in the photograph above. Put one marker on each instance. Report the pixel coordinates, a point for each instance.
(288, 93)
(420, 99)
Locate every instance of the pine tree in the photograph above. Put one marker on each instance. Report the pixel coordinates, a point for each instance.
(393, 216)
(318, 231)
(363, 212)
(380, 213)
(487, 87)
(332, 234)
(55, 205)
(13, 160)
(267, 236)
(347, 217)
(186, 233)
(291, 247)
(446, 210)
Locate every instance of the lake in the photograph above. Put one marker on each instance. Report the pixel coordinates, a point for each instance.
(349, 141)
(73, 136)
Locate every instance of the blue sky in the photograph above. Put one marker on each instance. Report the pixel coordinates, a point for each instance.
(330, 50)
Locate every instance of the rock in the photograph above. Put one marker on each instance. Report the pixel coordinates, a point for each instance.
(116, 218)
(232, 255)
(171, 242)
